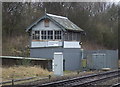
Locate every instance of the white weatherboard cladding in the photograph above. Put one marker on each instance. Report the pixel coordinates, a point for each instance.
(54, 43)
(58, 63)
(46, 43)
(38, 44)
(40, 26)
(72, 44)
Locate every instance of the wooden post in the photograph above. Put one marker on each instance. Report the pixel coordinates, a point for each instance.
(78, 72)
(12, 82)
(49, 77)
(13, 79)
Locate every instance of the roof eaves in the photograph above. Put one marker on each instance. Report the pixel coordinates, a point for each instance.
(76, 30)
(76, 27)
(36, 22)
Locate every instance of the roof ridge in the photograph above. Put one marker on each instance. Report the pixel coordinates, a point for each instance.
(56, 16)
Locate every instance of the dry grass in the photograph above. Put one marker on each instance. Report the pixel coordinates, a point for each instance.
(22, 72)
(81, 73)
(87, 45)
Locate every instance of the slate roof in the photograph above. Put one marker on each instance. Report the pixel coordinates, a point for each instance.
(61, 21)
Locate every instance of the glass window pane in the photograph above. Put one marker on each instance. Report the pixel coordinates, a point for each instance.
(43, 35)
(58, 35)
(36, 35)
(50, 34)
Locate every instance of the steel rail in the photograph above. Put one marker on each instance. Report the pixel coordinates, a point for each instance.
(116, 85)
(93, 81)
(24, 79)
(68, 82)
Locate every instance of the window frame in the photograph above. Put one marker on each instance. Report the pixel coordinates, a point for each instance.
(43, 35)
(50, 35)
(58, 36)
(35, 35)
(46, 35)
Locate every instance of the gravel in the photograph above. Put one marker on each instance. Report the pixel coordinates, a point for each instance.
(109, 82)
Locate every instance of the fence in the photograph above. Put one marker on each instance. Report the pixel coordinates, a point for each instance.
(97, 59)
(11, 61)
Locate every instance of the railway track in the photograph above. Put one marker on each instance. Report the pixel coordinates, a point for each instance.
(83, 81)
(116, 85)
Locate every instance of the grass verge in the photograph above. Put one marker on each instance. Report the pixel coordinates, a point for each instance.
(18, 72)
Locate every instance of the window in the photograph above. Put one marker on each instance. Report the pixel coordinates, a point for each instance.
(74, 36)
(46, 23)
(36, 35)
(43, 35)
(46, 35)
(50, 35)
(78, 36)
(58, 35)
(70, 36)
